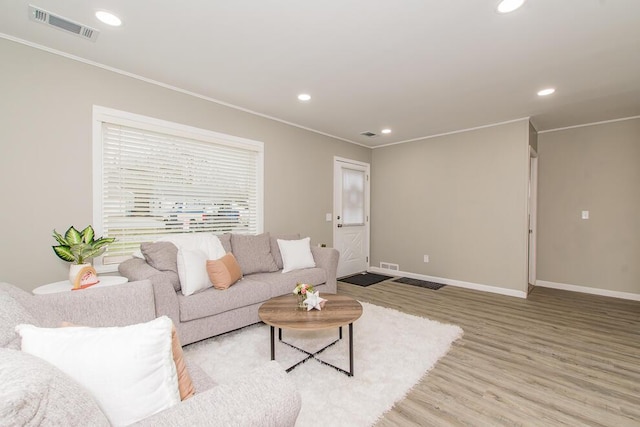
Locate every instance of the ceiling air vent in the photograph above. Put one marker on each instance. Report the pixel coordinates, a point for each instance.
(40, 15)
(368, 134)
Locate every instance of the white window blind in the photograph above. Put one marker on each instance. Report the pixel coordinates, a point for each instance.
(156, 183)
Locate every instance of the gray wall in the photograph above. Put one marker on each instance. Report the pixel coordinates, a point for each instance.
(45, 162)
(461, 199)
(594, 168)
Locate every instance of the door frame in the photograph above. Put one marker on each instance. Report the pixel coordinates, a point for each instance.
(338, 162)
(533, 217)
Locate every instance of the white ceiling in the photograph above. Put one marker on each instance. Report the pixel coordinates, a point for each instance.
(419, 67)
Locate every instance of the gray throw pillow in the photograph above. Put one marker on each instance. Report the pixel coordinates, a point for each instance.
(253, 253)
(162, 256)
(35, 393)
(275, 249)
(225, 239)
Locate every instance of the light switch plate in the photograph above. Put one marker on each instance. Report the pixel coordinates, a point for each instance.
(585, 214)
(328, 217)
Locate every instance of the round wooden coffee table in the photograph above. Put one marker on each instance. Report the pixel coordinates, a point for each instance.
(283, 313)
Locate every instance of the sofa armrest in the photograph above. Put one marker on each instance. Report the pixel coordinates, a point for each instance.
(164, 291)
(327, 259)
(166, 298)
(118, 305)
(137, 269)
(264, 397)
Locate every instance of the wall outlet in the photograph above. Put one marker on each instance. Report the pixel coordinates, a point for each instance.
(426, 258)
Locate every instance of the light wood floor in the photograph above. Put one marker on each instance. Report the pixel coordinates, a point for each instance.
(556, 358)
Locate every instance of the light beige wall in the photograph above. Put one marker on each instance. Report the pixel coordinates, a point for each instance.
(45, 163)
(594, 168)
(461, 199)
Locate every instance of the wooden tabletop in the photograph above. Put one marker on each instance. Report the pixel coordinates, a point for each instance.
(283, 312)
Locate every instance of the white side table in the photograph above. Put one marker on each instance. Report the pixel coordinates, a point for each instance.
(65, 285)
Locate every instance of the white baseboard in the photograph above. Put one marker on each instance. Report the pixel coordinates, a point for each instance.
(452, 282)
(588, 290)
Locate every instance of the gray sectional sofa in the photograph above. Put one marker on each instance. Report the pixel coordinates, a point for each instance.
(34, 392)
(213, 311)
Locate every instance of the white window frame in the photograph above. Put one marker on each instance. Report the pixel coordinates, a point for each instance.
(123, 118)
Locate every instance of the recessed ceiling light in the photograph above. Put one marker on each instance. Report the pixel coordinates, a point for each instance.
(545, 92)
(506, 6)
(108, 18)
(386, 131)
(304, 97)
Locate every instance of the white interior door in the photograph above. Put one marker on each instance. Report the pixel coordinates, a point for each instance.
(351, 215)
(533, 209)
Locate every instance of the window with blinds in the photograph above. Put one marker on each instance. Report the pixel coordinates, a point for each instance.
(157, 178)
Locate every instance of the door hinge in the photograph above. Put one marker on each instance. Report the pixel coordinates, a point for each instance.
(367, 259)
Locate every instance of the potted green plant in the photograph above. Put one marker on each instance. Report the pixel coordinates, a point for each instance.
(77, 247)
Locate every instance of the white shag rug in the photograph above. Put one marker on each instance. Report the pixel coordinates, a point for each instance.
(392, 352)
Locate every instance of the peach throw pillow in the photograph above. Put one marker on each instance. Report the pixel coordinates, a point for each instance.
(185, 385)
(224, 272)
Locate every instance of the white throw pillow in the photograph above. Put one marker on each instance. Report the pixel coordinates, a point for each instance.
(192, 271)
(209, 243)
(129, 370)
(296, 254)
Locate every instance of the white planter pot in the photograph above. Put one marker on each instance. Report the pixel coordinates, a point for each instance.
(74, 269)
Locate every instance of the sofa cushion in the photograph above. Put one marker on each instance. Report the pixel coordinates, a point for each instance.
(253, 253)
(214, 301)
(224, 272)
(225, 239)
(283, 283)
(161, 255)
(129, 370)
(296, 254)
(192, 269)
(201, 380)
(35, 393)
(11, 314)
(207, 242)
(275, 248)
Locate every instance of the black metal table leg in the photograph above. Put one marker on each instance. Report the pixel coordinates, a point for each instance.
(273, 344)
(313, 355)
(350, 348)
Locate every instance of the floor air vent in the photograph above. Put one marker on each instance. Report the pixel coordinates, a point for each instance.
(389, 266)
(42, 16)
